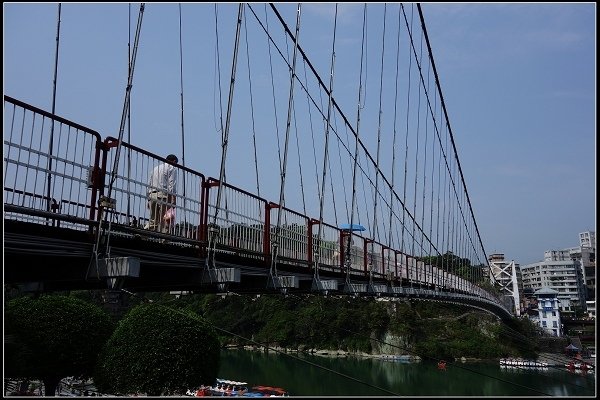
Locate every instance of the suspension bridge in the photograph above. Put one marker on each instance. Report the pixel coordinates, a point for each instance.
(370, 205)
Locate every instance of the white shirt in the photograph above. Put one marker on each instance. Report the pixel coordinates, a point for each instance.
(164, 179)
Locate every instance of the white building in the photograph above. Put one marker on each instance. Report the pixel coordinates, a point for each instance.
(587, 239)
(548, 311)
(591, 308)
(585, 253)
(506, 276)
(587, 244)
(560, 273)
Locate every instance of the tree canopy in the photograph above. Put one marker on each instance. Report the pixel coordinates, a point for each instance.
(52, 337)
(158, 351)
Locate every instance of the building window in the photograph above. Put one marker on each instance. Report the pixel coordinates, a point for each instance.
(544, 324)
(554, 313)
(555, 324)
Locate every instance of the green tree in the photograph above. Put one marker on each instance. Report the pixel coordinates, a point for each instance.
(53, 337)
(158, 351)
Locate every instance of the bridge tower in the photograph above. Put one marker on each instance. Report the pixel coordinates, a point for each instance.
(506, 275)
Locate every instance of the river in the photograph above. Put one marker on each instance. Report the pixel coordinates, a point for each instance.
(307, 375)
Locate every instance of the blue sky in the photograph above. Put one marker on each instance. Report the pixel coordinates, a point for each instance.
(518, 82)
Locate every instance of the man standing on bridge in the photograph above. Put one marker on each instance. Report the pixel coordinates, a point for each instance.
(162, 189)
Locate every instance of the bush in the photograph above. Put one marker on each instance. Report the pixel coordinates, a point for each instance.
(158, 351)
(53, 337)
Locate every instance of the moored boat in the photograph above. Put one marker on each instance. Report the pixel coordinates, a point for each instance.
(270, 391)
(229, 388)
(519, 362)
(579, 366)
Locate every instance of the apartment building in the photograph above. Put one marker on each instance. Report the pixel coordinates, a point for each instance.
(560, 273)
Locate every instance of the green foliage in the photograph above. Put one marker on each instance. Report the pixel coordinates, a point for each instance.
(429, 329)
(158, 351)
(53, 337)
(458, 266)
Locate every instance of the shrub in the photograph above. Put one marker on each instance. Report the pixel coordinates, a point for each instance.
(53, 337)
(157, 350)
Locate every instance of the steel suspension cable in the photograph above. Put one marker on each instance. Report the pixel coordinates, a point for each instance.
(51, 140)
(297, 144)
(221, 128)
(227, 122)
(424, 169)
(312, 133)
(212, 239)
(281, 204)
(326, 149)
(218, 73)
(251, 107)
(432, 175)
(181, 96)
(120, 135)
(182, 121)
(444, 247)
(299, 162)
(129, 117)
(417, 133)
(349, 240)
(273, 90)
(375, 225)
(393, 172)
(366, 173)
(333, 201)
(341, 164)
(406, 159)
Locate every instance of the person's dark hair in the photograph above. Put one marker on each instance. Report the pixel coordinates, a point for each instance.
(172, 158)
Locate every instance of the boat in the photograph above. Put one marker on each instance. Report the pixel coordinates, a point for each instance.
(270, 391)
(395, 357)
(579, 366)
(519, 362)
(230, 388)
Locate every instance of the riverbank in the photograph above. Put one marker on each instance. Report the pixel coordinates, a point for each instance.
(325, 353)
(552, 359)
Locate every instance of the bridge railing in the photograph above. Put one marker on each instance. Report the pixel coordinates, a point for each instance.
(357, 251)
(238, 221)
(126, 171)
(330, 249)
(292, 236)
(47, 164)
